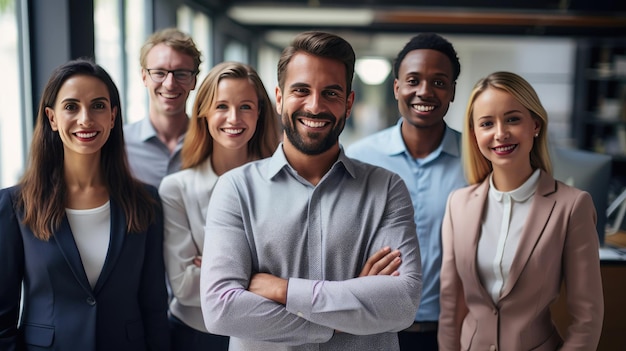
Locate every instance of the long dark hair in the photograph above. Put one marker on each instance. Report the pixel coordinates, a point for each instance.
(43, 191)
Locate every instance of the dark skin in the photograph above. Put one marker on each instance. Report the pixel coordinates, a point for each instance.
(425, 87)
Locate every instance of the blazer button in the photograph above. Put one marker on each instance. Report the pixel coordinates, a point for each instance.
(492, 348)
(91, 301)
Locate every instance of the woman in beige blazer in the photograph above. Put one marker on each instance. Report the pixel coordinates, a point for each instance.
(232, 122)
(515, 234)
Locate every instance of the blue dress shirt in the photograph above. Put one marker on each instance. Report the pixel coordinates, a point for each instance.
(429, 181)
(150, 160)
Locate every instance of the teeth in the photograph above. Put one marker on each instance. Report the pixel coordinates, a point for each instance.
(232, 131)
(86, 135)
(169, 96)
(423, 108)
(313, 124)
(504, 148)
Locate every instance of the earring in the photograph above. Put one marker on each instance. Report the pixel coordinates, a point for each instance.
(536, 135)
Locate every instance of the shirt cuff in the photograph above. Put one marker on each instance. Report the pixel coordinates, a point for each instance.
(299, 302)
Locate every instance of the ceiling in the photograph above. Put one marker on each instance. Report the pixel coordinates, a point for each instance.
(375, 25)
(502, 17)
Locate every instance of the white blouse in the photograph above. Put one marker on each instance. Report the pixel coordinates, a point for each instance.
(502, 226)
(92, 232)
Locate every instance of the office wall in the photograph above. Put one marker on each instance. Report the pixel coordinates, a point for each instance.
(547, 63)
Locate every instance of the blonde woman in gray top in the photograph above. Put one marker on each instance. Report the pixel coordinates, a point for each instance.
(232, 123)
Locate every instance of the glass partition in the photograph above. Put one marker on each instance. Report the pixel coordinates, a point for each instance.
(13, 115)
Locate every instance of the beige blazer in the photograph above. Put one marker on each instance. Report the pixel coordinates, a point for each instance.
(559, 243)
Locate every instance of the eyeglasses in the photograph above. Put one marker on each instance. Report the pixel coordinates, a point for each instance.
(181, 75)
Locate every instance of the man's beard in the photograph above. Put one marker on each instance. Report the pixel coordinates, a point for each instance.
(319, 143)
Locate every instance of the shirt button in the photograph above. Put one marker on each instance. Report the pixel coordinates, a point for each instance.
(91, 301)
(300, 314)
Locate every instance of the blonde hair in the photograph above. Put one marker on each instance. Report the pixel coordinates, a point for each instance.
(177, 40)
(475, 165)
(198, 144)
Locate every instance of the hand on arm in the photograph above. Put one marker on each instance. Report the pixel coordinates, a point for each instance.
(269, 286)
(383, 262)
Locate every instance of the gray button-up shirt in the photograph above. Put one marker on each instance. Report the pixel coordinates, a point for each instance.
(264, 217)
(150, 160)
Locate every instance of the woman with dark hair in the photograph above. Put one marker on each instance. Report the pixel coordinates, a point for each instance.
(79, 234)
(232, 122)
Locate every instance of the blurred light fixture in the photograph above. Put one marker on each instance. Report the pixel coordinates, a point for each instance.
(301, 16)
(372, 70)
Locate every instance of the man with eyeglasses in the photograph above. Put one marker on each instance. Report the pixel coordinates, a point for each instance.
(169, 68)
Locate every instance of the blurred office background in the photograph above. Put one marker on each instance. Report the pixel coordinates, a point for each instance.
(572, 51)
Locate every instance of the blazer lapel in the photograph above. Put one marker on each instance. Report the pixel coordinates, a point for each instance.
(65, 241)
(116, 242)
(538, 217)
(472, 222)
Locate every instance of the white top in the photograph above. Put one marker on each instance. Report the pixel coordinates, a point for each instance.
(185, 197)
(502, 227)
(92, 232)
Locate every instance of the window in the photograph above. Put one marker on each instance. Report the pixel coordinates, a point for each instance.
(117, 50)
(198, 26)
(236, 51)
(14, 120)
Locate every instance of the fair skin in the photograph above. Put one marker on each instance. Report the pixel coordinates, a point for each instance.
(315, 86)
(383, 262)
(168, 98)
(505, 132)
(83, 117)
(314, 104)
(232, 123)
(424, 90)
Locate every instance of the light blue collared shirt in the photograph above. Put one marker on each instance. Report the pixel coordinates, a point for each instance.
(429, 181)
(149, 159)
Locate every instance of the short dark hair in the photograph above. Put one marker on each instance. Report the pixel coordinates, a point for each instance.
(431, 41)
(320, 44)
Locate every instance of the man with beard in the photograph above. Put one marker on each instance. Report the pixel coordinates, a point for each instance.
(288, 238)
(425, 152)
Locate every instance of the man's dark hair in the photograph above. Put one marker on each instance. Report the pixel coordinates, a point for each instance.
(431, 41)
(320, 44)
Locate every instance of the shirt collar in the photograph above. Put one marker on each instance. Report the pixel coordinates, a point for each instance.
(396, 146)
(521, 194)
(146, 130)
(278, 162)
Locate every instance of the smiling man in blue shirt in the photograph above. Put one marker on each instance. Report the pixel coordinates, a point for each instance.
(425, 152)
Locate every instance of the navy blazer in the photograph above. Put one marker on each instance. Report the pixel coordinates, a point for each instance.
(125, 311)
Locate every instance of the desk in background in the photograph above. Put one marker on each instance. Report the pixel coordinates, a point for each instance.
(613, 270)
